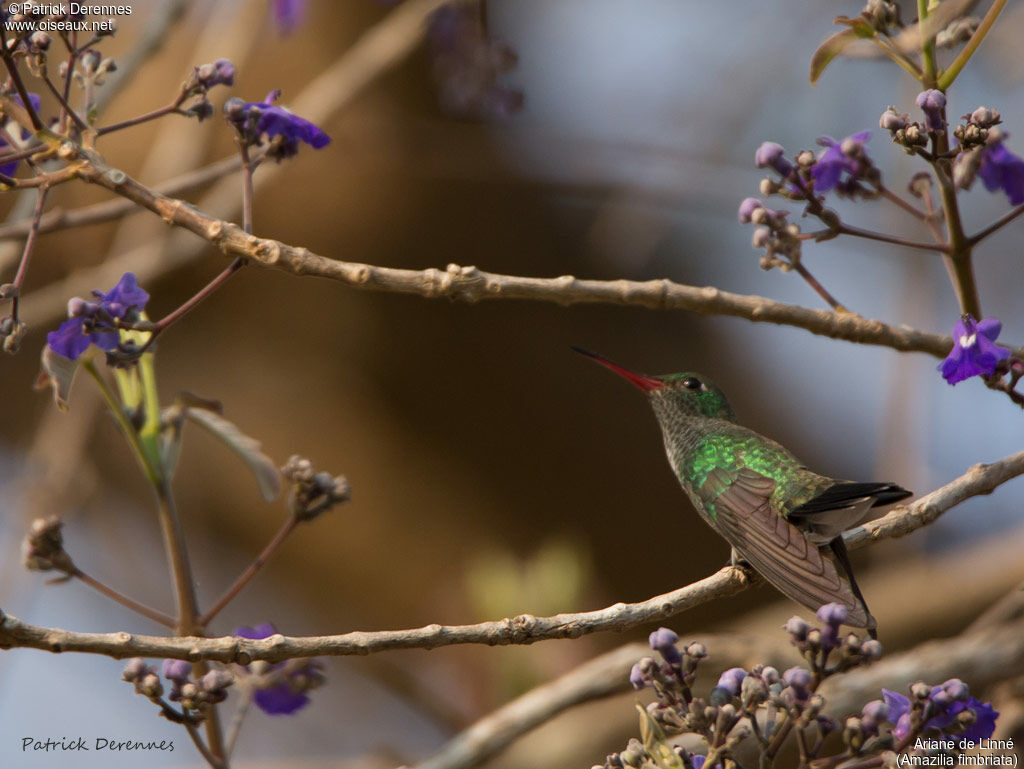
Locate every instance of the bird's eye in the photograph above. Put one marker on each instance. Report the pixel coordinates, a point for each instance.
(692, 383)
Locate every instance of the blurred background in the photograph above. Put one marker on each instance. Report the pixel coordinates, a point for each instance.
(494, 472)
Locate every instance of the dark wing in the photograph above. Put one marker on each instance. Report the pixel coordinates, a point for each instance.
(847, 493)
(778, 550)
(842, 506)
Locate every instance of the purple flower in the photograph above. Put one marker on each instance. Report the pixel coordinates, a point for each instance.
(947, 712)
(288, 14)
(282, 689)
(974, 350)
(833, 615)
(732, 679)
(637, 677)
(90, 322)
(772, 155)
(932, 103)
(219, 72)
(664, 641)
(8, 169)
(177, 670)
(841, 164)
(1002, 170)
(255, 119)
(797, 677)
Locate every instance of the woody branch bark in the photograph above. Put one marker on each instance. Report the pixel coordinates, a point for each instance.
(524, 629)
(471, 285)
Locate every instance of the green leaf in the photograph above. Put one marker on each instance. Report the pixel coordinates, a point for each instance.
(832, 47)
(58, 372)
(249, 449)
(654, 740)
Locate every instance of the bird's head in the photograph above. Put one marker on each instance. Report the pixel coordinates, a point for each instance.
(683, 394)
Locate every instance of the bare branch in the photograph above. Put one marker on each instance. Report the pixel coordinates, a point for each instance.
(471, 285)
(524, 629)
(59, 219)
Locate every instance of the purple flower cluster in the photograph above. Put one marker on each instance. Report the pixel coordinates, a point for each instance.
(974, 352)
(280, 688)
(255, 120)
(91, 323)
(842, 164)
(944, 707)
(209, 689)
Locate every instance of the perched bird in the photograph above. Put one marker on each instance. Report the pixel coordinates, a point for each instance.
(774, 512)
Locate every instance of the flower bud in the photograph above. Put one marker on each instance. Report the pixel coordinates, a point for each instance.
(772, 155)
(134, 670)
(747, 209)
(985, 117)
(797, 628)
(932, 102)
(663, 641)
(920, 690)
(696, 650)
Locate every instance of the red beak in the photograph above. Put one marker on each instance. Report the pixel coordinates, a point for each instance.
(643, 381)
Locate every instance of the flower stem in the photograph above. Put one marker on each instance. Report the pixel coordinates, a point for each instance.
(243, 579)
(847, 229)
(247, 171)
(177, 556)
(819, 289)
(953, 70)
(157, 113)
(236, 722)
(910, 208)
(927, 47)
(997, 224)
(153, 474)
(958, 260)
(191, 303)
(897, 57)
(157, 616)
(65, 107)
(212, 760)
(26, 254)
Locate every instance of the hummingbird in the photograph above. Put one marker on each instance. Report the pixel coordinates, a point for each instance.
(777, 514)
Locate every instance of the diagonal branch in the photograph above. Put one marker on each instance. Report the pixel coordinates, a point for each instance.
(524, 629)
(471, 285)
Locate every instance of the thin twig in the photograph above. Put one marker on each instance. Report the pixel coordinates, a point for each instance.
(26, 254)
(997, 224)
(857, 232)
(246, 576)
(157, 616)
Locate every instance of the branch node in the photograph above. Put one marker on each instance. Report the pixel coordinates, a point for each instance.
(267, 251)
(215, 232)
(116, 176)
